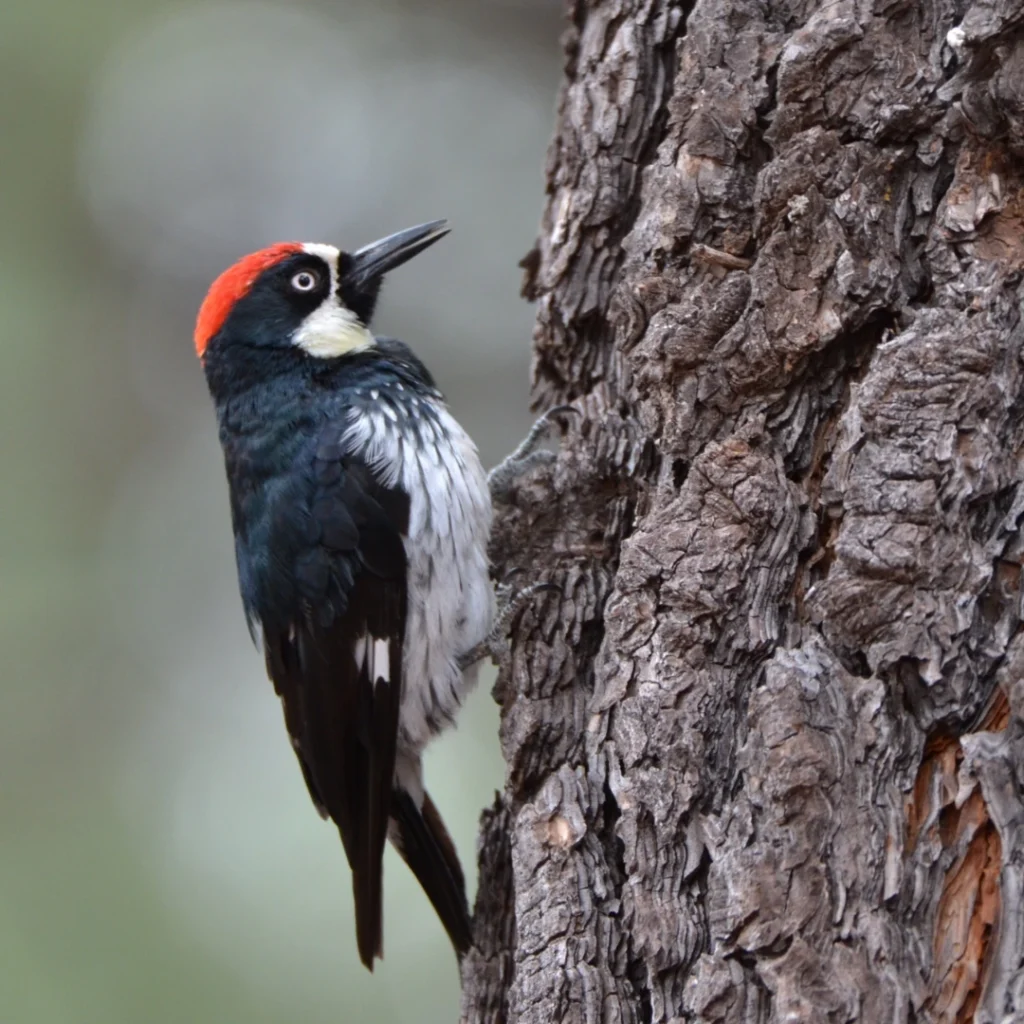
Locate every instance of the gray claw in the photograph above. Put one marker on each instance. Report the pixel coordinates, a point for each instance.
(511, 602)
(526, 456)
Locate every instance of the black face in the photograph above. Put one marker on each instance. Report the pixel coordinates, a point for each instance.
(277, 303)
(359, 294)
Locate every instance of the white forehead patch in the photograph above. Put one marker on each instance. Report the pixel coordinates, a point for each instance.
(331, 329)
(329, 254)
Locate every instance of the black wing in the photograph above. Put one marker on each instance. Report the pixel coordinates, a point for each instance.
(337, 662)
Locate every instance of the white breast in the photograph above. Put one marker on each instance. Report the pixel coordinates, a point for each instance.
(451, 601)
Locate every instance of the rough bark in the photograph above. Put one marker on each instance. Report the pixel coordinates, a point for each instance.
(765, 741)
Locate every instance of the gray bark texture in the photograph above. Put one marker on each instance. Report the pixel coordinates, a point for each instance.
(765, 736)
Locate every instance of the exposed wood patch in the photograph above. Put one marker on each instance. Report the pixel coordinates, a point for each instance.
(968, 908)
(968, 912)
(997, 715)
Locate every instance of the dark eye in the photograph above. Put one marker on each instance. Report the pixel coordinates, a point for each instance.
(305, 281)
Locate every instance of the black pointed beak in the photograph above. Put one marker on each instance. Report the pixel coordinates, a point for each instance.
(373, 261)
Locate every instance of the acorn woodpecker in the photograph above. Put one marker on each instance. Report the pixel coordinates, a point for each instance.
(361, 516)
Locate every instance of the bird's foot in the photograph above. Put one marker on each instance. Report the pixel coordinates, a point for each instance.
(510, 603)
(528, 455)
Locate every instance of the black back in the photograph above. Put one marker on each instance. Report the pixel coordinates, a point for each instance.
(322, 570)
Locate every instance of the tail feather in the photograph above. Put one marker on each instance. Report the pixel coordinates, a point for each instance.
(422, 840)
(366, 889)
(380, 718)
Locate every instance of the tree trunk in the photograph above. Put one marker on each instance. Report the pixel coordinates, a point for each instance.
(765, 741)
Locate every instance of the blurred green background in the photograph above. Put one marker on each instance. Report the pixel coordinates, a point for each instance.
(160, 860)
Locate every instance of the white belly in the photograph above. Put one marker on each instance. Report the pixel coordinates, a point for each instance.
(450, 598)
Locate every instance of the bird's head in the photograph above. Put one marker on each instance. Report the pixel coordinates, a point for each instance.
(305, 298)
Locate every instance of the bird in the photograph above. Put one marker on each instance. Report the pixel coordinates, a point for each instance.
(361, 516)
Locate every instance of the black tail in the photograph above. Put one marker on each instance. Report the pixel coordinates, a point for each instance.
(373, 806)
(366, 889)
(423, 841)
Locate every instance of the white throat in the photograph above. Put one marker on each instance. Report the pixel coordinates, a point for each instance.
(332, 330)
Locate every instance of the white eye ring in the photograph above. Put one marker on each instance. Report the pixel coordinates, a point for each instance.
(305, 281)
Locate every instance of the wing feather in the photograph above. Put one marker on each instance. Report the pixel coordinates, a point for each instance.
(337, 664)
